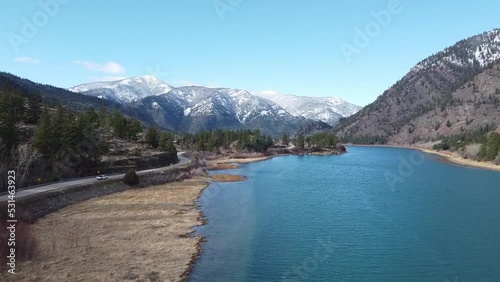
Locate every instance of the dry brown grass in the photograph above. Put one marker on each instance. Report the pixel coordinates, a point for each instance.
(137, 235)
(26, 244)
(247, 160)
(222, 166)
(227, 177)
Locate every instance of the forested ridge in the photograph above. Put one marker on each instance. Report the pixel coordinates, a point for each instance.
(45, 143)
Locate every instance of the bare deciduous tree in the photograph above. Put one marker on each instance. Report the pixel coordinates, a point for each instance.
(24, 156)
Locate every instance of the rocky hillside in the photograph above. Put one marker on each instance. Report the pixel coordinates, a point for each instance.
(455, 90)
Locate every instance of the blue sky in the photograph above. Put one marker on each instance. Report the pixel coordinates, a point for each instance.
(290, 47)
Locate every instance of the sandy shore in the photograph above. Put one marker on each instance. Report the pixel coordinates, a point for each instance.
(137, 235)
(455, 158)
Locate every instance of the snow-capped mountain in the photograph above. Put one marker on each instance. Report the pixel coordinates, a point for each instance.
(326, 109)
(451, 92)
(125, 90)
(192, 108)
(482, 50)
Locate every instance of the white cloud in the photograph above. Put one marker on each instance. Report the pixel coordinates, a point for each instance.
(106, 78)
(108, 67)
(268, 92)
(27, 60)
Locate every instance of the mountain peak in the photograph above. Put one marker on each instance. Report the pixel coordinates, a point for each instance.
(326, 109)
(125, 90)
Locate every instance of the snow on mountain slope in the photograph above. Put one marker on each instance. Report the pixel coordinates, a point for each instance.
(201, 101)
(482, 49)
(126, 90)
(192, 108)
(326, 109)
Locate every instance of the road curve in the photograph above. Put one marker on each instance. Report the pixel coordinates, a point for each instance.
(87, 180)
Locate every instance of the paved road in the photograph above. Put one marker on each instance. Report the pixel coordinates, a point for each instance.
(86, 180)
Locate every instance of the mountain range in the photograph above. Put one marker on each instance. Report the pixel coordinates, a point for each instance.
(326, 109)
(192, 108)
(453, 91)
(182, 109)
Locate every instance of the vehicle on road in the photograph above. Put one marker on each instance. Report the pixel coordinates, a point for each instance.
(102, 177)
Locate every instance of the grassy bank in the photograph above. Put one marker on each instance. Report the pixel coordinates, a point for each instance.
(137, 235)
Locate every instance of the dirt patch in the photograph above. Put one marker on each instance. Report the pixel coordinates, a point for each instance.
(227, 177)
(136, 235)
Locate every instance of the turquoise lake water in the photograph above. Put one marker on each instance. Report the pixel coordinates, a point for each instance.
(374, 214)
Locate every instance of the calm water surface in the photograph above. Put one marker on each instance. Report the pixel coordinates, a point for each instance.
(374, 214)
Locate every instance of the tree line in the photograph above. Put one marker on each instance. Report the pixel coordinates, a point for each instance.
(46, 144)
(460, 140)
(490, 149)
(212, 141)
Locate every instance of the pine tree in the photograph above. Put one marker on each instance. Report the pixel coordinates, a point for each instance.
(34, 109)
(493, 146)
(11, 112)
(134, 128)
(152, 138)
(299, 142)
(119, 124)
(285, 139)
(43, 136)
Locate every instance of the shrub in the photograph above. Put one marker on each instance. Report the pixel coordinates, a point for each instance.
(497, 160)
(26, 243)
(131, 178)
(472, 151)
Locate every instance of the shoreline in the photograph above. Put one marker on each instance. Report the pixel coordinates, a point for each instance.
(108, 224)
(202, 218)
(101, 226)
(138, 235)
(450, 157)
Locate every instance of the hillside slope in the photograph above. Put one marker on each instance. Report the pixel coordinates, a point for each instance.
(459, 84)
